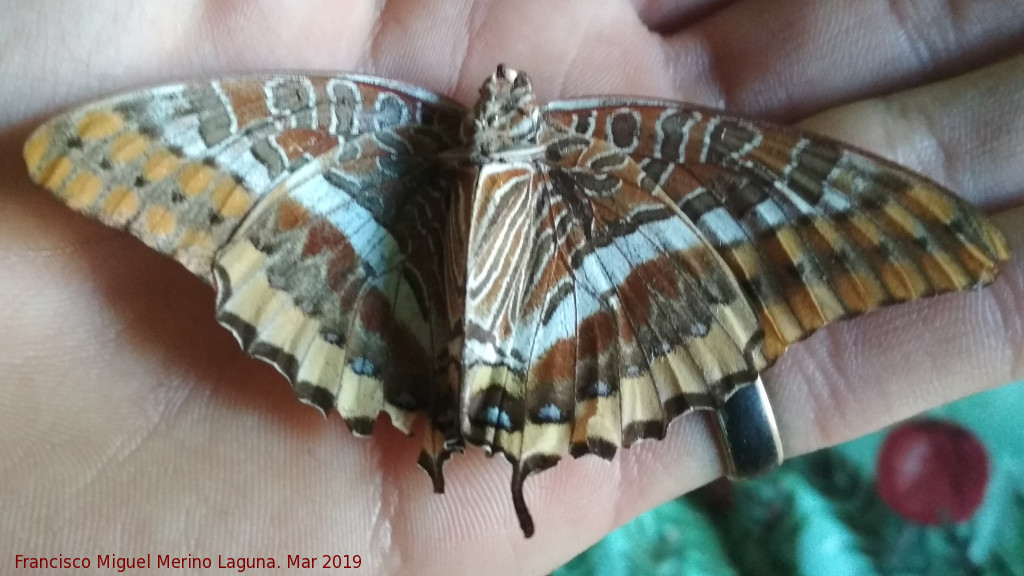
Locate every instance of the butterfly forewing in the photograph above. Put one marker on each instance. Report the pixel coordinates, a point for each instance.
(180, 166)
(318, 197)
(814, 230)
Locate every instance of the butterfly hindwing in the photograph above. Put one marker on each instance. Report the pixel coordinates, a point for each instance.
(595, 311)
(335, 277)
(814, 230)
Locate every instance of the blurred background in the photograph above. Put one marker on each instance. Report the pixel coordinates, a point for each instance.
(939, 494)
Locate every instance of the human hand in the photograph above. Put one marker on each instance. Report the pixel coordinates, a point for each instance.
(133, 424)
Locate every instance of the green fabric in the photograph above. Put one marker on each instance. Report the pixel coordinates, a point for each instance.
(821, 514)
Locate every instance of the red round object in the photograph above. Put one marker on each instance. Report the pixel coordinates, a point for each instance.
(932, 472)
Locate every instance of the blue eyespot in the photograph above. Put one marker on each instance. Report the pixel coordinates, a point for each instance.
(549, 413)
(363, 366)
(498, 418)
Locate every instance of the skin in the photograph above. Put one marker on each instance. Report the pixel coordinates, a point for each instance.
(133, 424)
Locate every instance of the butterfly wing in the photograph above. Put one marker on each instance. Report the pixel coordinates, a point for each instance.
(311, 201)
(335, 278)
(595, 312)
(814, 229)
(662, 255)
(179, 166)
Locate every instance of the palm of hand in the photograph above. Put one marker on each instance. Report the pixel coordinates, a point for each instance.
(127, 407)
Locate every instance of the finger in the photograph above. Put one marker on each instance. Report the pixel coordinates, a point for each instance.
(574, 49)
(789, 58)
(424, 42)
(53, 53)
(966, 132)
(670, 15)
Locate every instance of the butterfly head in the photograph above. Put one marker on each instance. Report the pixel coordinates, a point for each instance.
(506, 119)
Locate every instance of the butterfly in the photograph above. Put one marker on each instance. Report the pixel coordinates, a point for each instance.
(538, 280)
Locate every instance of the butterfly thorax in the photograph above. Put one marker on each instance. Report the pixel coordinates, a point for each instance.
(504, 124)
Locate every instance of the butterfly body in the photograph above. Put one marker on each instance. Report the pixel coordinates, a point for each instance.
(539, 280)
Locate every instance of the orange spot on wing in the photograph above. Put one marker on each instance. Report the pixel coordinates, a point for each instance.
(230, 199)
(943, 273)
(996, 240)
(128, 147)
(932, 203)
(160, 221)
(847, 288)
(775, 342)
(160, 166)
(195, 178)
(55, 173)
(82, 190)
(864, 231)
(99, 124)
(36, 147)
(120, 206)
(195, 238)
(901, 281)
(805, 306)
